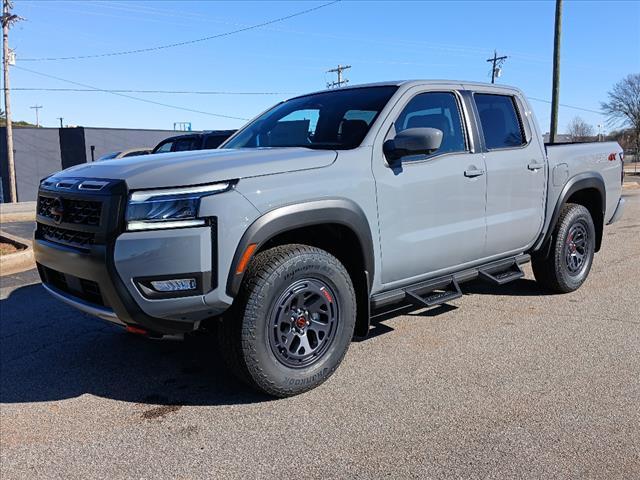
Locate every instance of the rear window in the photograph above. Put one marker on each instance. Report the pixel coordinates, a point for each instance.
(500, 121)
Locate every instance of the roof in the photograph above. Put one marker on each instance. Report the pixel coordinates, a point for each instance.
(417, 82)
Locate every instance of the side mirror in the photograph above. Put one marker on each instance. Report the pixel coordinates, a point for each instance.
(412, 141)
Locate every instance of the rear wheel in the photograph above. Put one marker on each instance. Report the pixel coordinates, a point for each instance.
(569, 261)
(292, 322)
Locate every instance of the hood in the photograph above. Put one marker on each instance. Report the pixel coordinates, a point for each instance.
(202, 166)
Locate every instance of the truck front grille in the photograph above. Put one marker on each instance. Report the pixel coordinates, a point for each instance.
(71, 238)
(68, 210)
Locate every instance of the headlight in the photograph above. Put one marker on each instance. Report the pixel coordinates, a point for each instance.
(170, 208)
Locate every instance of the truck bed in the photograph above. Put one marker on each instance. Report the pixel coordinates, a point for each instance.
(570, 160)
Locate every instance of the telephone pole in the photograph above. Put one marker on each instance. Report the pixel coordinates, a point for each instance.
(338, 70)
(36, 108)
(60, 118)
(497, 65)
(555, 89)
(8, 19)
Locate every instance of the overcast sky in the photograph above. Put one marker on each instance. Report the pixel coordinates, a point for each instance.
(381, 40)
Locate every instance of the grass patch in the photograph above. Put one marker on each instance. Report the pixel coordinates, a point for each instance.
(7, 248)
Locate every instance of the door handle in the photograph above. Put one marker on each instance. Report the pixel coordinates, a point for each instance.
(534, 166)
(473, 172)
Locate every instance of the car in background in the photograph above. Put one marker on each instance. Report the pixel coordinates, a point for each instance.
(131, 152)
(193, 141)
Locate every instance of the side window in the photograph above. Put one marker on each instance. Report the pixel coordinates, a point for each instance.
(435, 110)
(500, 121)
(183, 144)
(213, 141)
(164, 147)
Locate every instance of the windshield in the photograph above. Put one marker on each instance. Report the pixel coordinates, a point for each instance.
(108, 156)
(336, 119)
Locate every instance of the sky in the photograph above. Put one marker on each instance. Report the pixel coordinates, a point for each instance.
(256, 68)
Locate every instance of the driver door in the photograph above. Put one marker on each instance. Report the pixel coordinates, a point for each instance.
(431, 208)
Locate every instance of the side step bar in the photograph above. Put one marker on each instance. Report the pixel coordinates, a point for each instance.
(438, 297)
(499, 271)
(500, 277)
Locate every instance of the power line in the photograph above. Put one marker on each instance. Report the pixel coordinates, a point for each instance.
(145, 100)
(187, 42)
(193, 92)
(566, 106)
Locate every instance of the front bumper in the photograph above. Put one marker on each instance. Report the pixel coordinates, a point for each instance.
(617, 215)
(90, 282)
(97, 267)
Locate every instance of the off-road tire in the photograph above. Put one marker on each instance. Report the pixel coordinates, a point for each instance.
(243, 333)
(553, 271)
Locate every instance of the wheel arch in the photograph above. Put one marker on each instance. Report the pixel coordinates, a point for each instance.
(336, 225)
(586, 189)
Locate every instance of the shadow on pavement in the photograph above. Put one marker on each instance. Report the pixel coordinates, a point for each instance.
(49, 351)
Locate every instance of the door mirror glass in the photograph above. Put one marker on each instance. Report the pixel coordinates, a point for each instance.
(412, 141)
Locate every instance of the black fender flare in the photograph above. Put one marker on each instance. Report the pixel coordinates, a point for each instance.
(579, 182)
(317, 212)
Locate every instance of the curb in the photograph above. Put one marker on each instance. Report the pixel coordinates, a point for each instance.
(17, 212)
(17, 217)
(19, 261)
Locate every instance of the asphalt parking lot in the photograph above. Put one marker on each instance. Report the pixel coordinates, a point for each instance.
(510, 382)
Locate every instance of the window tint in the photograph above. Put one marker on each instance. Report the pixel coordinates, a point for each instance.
(435, 110)
(500, 122)
(184, 144)
(214, 141)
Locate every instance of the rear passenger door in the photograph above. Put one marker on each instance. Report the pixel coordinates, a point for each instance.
(516, 173)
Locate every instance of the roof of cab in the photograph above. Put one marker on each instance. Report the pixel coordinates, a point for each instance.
(406, 84)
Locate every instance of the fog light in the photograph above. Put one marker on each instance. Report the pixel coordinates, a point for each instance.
(175, 285)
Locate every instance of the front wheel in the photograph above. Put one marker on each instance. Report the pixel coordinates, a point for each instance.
(292, 322)
(569, 261)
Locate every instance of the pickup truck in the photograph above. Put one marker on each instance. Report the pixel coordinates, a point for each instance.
(322, 213)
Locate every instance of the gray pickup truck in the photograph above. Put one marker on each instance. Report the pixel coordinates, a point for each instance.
(322, 213)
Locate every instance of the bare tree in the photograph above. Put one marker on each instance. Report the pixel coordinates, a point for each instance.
(623, 107)
(579, 130)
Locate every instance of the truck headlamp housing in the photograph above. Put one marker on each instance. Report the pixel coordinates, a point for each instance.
(169, 208)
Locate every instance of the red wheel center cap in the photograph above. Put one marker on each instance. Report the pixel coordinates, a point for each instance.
(301, 322)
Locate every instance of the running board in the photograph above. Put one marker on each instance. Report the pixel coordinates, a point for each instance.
(451, 291)
(500, 277)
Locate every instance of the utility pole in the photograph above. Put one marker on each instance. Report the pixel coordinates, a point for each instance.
(36, 108)
(338, 70)
(555, 89)
(60, 118)
(497, 65)
(8, 19)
